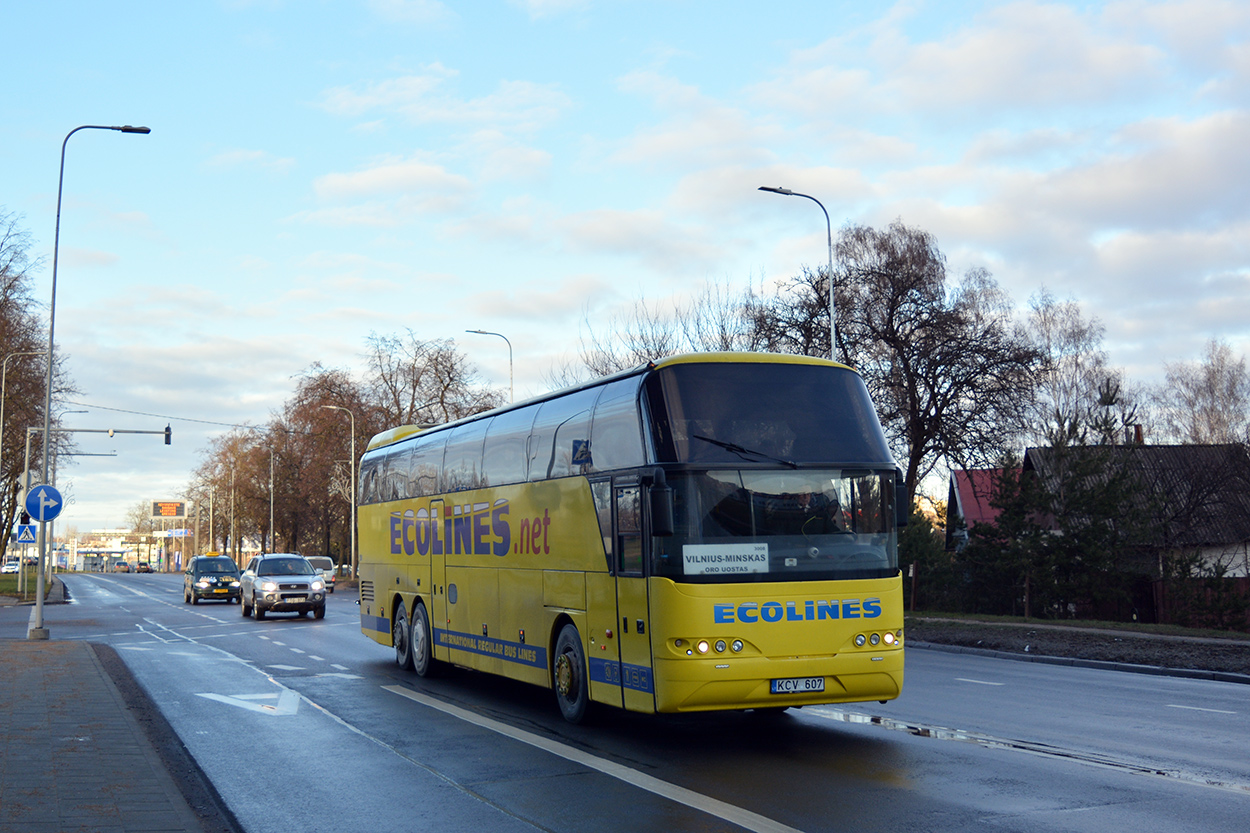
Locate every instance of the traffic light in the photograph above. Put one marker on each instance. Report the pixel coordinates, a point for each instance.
(168, 435)
(25, 517)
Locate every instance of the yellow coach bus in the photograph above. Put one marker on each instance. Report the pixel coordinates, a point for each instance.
(709, 531)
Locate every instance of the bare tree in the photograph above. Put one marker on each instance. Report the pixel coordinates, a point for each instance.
(1080, 398)
(415, 381)
(950, 372)
(1208, 401)
(718, 319)
(22, 339)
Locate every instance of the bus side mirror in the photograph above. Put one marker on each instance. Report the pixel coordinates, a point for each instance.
(902, 512)
(661, 506)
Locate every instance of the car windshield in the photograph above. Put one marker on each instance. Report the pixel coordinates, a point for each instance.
(217, 565)
(285, 567)
(322, 563)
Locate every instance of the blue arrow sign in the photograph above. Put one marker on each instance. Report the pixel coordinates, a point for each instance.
(44, 503)
(26, 534)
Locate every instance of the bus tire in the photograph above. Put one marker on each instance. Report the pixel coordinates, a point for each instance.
(569, 677)
(401, 637)
(423, 661)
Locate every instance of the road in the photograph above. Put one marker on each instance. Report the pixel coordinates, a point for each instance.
(304, 724)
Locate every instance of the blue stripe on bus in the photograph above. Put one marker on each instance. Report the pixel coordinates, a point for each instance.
(636, 677)
(375, 623)
(519, 652)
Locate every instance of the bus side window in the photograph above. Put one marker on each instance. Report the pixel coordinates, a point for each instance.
(629, 529)
(602, 494)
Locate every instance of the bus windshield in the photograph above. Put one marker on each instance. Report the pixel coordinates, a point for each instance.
(773, 414)
(736, 525)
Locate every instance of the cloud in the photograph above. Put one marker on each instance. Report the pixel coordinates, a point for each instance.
(538, 9)
(517, 105)
(264, 160)
(390, 178)
(1018, 57)
(424, 12)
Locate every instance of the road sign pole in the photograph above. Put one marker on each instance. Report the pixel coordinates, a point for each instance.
(43, 503)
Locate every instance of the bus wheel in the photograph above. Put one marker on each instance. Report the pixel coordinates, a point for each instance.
(401, 638)
(423, 661)
(569, 680)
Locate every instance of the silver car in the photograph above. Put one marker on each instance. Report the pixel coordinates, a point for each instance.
(282, 582)
(327, 568)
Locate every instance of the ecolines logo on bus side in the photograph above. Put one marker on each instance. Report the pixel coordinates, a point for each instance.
(724, 614)
(468, 529)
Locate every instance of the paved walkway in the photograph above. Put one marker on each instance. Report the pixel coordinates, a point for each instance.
(73, 756)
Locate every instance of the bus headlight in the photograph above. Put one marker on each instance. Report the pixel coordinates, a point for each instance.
(860, 640)
(702, 646)
(874, 640)
(888, 639)
(720, 646)
(736, 646)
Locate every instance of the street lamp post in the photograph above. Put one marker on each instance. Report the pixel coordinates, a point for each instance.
(833, 322)
(352, 478)
(511, 388)
(37, 630)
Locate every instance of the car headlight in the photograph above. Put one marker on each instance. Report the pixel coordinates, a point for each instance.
(318, 585)
(234, 584)
(269, 586)
(202, 583)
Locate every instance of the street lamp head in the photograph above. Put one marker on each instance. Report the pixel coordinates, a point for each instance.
(785, 191)
(129, 129)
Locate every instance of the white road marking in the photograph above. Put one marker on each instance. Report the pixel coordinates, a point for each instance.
(714, 807)
(298, 651)
(288, 702)
(978, 682)
(1199, 709)
(286, 667)
(318, 659)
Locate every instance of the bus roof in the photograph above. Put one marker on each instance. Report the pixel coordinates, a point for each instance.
(400, 432)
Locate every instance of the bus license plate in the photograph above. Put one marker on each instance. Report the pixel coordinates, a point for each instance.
(798, 685)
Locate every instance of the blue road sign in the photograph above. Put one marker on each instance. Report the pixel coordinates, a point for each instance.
(44, 503)
(26, 534)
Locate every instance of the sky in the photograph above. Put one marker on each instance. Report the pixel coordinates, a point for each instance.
(323, 170)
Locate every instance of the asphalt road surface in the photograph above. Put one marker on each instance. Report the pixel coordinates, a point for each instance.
(309, 725)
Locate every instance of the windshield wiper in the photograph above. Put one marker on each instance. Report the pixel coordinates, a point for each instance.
(742, 451)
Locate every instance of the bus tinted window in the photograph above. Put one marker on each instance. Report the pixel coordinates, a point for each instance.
(616, 432)
(394, 485)
(561, 435)
(503, 460)
(731, 413)
(424, 464)
(462, 464)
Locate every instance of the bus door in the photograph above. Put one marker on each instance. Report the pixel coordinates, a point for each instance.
(439, 612)
(637, 681)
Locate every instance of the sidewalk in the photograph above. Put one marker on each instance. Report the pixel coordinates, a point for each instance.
(73, 755)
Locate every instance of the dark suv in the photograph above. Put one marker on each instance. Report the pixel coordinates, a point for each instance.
(210, 577)
(283, 582)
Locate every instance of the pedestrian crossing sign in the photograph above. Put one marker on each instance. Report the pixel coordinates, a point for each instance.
(26, 533)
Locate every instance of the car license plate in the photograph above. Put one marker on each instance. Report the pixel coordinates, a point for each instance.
(798, 685)
(221, 590)
(295, 599)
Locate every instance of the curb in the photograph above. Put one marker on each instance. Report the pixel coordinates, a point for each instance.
(1104, 665)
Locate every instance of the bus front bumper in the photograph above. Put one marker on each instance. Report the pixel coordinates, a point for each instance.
(685, 685)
